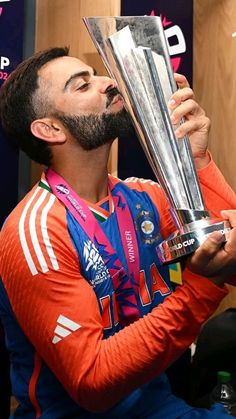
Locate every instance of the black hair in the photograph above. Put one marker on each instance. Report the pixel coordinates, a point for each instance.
(20, 106)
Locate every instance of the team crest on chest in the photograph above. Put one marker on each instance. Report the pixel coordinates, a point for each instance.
(147, 227)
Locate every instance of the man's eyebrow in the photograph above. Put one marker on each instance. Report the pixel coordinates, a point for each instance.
(84, 73)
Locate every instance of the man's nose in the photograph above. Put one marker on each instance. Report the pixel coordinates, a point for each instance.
(106, 83)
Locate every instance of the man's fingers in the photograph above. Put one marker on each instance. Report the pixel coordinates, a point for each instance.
(181, 80)
(189, 107)
(180, 96)
(230, 245)
(230, 215)
(206, 252)
(186, 128)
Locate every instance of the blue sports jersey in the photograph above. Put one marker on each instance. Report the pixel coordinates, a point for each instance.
(57, 255)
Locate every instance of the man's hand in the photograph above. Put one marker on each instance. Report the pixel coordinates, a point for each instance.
(196, 124)
(215, 259)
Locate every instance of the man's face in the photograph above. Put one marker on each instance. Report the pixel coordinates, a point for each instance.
(89, 106)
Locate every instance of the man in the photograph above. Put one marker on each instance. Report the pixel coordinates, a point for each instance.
(83, 295)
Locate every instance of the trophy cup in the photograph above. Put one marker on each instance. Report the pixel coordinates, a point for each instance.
(135, 53)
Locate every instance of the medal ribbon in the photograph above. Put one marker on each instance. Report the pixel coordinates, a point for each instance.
(125, 285)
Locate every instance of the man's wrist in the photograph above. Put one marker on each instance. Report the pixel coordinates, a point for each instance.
(203, 161)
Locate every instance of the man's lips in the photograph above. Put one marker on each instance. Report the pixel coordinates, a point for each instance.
(114, 99)
(117, 98)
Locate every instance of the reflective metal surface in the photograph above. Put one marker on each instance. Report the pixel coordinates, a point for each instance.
(135, 53)
(180, 245)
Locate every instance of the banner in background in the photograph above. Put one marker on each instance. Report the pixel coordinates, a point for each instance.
(11, 50)
(177, 19)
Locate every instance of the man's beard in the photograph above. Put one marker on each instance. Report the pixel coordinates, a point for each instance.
(92, 131)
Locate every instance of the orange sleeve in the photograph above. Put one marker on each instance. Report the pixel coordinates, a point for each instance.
(217, 193)
(96, 372)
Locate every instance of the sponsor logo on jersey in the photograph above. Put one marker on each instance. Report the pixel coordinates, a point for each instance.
(95, 263)
(64, 328)
(146, 227)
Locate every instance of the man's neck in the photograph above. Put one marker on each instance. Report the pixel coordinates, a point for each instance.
(85, 171)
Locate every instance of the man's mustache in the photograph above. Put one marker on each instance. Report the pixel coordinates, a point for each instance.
(111, 93)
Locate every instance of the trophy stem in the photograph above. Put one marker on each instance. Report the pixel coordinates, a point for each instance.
(167, 122)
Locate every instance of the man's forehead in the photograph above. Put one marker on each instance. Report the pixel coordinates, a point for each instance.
(62, 67)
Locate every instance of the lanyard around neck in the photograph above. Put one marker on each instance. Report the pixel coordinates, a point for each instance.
(126, 286)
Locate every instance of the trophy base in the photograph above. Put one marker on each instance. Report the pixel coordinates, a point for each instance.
(184, 243)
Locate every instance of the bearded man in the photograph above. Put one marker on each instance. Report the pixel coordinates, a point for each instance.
(88, 310)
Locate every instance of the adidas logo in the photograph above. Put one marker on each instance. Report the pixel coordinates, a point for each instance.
(64, 328)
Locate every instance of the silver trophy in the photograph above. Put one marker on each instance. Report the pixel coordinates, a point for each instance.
(135, 53)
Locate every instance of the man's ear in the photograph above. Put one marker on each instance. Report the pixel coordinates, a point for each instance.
(48, 129)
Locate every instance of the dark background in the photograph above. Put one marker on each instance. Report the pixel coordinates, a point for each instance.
(11, 46)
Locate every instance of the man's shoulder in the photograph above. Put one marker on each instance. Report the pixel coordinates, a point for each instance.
(137, 183)
(37, 207)
(35, 234)
(21, 208)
